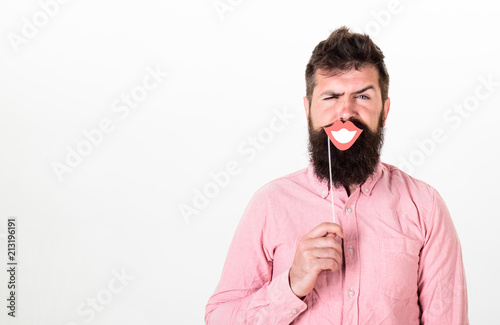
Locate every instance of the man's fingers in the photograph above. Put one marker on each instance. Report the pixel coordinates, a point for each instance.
(325, 228)
(328, 264)
(328, 253)
(324, 242)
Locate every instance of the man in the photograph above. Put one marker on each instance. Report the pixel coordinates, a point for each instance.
(392, 256)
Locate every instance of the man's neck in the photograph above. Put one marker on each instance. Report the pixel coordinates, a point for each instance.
(350, 189)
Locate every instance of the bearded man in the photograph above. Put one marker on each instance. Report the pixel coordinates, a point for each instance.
(349, 239)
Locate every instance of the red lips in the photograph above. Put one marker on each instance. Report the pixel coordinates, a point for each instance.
(343, 135)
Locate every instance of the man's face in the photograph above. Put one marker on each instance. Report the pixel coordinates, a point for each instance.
(353, 96)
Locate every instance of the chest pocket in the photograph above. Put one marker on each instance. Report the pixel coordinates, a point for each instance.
(399, 267)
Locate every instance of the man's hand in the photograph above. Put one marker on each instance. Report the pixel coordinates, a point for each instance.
(317, 250)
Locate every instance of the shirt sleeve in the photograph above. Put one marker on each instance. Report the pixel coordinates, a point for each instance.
(247, 293)
(442, 285)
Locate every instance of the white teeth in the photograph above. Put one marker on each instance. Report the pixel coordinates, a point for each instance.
(343, 135)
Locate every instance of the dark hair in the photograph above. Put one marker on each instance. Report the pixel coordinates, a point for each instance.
(343, 51)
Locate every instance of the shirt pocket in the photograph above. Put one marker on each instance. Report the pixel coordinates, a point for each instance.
(399, 267)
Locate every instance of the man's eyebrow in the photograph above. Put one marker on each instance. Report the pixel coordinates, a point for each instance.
(330, 93)
(364, 89)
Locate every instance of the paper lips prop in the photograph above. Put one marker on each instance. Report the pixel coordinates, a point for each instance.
(343, 135)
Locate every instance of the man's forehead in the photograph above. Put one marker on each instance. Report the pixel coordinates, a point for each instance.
(365, 73)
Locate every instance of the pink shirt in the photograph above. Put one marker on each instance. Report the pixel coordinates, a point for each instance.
(402, 256)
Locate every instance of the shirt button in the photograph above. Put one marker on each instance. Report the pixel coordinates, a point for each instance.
(351, 293)
(366, 190)
(295, 311)
(349, 210)
(351, 250)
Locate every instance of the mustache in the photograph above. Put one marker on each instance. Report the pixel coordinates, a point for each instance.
(354, 121)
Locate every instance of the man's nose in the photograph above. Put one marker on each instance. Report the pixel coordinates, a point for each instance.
(347, 109)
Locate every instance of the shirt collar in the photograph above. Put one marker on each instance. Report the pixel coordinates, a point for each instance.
(322, 189)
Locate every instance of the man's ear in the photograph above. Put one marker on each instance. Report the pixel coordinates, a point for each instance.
(387, 107)
(306, 107)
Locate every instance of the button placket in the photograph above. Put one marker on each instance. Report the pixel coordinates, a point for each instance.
(352, 263)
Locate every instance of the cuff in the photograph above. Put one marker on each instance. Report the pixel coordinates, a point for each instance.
(286, 304)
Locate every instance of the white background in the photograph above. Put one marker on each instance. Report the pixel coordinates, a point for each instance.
(227, 73)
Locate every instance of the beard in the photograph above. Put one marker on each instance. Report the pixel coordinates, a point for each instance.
(352, 166)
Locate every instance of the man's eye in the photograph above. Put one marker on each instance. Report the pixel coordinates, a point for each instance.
(331, 97)
(363, 97)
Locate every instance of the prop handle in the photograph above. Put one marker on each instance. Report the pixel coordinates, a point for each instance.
(331, 183)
